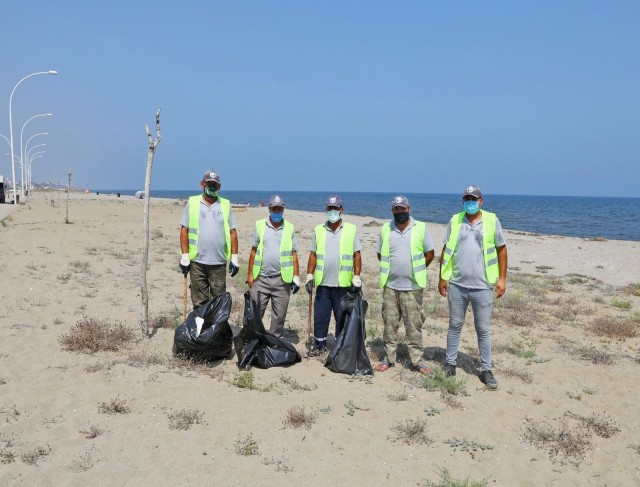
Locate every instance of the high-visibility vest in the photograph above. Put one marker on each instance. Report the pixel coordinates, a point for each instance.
(418, 261)
(488, 246)
(345, 271)
(194, 224)
(286, 250)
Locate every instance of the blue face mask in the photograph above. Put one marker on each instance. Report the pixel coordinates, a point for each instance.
(471, 206)
(333, 215)
(276, 217)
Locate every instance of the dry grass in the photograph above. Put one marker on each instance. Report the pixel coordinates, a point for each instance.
(411, 432)
(184, 419)
(294, 385)
(116, 406)
(83, 462)
(32, 457)
(247, 446)
(563, 443)
(7, 456)
(142, 359)
(91, 335)
(92, 432)
(298, 417)
(522, 374)
(614, 328)
(446, 480)
(602, 426)
(169, 320)
(633, 289)
(398, 396)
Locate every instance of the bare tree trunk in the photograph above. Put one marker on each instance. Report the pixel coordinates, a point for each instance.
(66, 220)
(144, 315)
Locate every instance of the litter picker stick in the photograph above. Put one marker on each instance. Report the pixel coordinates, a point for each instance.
(184, 300)
(309, 319)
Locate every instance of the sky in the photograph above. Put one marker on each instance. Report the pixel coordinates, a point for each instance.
(531, 97)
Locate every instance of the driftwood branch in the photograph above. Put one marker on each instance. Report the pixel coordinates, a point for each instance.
(144, 293)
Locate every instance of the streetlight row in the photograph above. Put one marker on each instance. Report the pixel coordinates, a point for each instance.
(10, 140)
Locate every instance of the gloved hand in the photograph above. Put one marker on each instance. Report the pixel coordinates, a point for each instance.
(308, 285)
(356, 281)
(185, 264)
(295, 285)
(233, 265)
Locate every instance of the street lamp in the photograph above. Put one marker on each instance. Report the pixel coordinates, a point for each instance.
(27, 154)
(27, 145)
(13, 167)
(22, 152)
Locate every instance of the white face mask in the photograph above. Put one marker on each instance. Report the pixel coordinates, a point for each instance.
(333, 215)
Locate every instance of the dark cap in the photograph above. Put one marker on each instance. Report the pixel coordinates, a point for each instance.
(400, 201)
(276, 200)
(211, 175)
(472, 190)
(333, 200)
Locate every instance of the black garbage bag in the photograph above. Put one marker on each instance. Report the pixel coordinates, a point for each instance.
(256, 346)
(349, 354)
(215, 339)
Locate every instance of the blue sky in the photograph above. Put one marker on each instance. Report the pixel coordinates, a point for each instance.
(517, 97)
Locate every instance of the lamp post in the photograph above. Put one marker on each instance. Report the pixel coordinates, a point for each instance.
(22, 152)
(13, 167)
(28, 158)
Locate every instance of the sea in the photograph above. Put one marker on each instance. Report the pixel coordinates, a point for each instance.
(572, 216)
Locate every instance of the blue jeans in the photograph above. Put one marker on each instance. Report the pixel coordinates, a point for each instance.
(327, 300)
(482, 305)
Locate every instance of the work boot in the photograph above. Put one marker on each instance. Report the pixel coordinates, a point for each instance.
(486, 377)
(449, 370)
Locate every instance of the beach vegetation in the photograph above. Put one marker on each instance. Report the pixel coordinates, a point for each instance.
(602, 426)
(634, 446)
(184, 419)
(244, 380)
(633, 288)
(92, 432)
(169, 320)
(594, 355)
(398, 396)
(83, 463)
(522, 374)
(115, 406)
(564, 443)
(590, 391)
(469, 446)
(90, 335)
(446, 480)
(614, 327)
(621, 303)
(543, 268)
(156, 233)
(299, 417)
(411, 432)
(294, 385)
(32, 457)
(438, 381)
(247, 446)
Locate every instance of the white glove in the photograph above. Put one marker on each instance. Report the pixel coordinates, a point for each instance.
(184, 260)
(356, 281)
(309, 278)
(234, 260)
(296, 280)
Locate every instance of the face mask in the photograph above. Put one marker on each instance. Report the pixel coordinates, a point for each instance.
(276, 217)
(210, 191)
(333, 215)
(401, 217)
(471, 206)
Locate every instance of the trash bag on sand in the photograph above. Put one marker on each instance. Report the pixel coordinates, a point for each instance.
(206, 333)
(256, 346)
(349, 354)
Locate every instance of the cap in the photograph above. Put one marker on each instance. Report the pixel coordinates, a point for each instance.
(276, 200)
(333, 200)
(400, 201)
(472, 190)
(211, 175)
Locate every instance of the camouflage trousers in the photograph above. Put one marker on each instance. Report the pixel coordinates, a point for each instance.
(405, 306)
(207, 282)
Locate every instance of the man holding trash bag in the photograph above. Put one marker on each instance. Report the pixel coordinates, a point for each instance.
(208, 239)
(273, 264)
(333, 268)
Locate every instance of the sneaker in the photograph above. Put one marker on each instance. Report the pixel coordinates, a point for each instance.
(449, 370)
(316, 352)
(486, 377)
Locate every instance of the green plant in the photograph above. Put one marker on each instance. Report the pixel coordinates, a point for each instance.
(447, 481)
(621, 303)
(244, 380)
(469, 446)
(438, 381)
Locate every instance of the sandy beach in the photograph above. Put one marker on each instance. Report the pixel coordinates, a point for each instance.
(565, 348)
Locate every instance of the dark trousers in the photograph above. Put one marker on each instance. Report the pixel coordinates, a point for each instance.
(207, 281)
(327, 300)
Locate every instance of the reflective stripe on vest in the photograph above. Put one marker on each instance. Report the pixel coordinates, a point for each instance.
(418, 261)
(488, 246)
(286, 250)
(194, 224)
(345, 271)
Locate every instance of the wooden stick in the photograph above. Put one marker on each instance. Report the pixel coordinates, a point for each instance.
(184, 300)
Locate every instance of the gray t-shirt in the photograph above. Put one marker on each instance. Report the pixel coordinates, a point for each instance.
(332, 254)
(400, 266)
(468, 260)
(211, 237)
(271, 248)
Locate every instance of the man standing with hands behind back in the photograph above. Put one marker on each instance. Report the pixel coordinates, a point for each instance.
(208, 239)
(473, 261)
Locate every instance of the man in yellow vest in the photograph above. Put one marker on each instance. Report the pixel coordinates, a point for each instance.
(405, 250)
(273, 264)
(473, 263)
(334, 268)
(208, 239)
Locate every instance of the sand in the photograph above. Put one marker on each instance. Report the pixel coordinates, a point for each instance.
(560, 289)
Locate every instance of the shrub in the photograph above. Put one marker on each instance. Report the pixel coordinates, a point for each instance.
(615, 328)
(116, 406)
(247, 446)
(411, 431)
(184, 419)
(438, 381)
(297, 417)
(90, 336)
